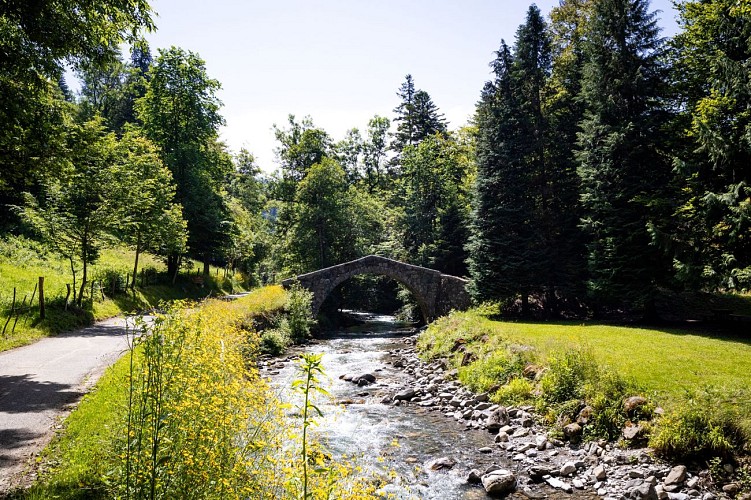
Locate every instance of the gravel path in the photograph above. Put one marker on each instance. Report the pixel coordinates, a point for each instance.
(42, 382)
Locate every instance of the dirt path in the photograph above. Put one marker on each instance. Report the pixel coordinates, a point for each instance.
(42, 382)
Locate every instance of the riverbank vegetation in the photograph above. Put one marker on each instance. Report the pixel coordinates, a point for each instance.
(562, 368)
(186, 414)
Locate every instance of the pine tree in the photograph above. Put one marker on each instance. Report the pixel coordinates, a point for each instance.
(417, 117)
(622, 170)
(501, 231)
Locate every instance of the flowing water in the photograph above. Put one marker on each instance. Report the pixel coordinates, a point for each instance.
(389, 439)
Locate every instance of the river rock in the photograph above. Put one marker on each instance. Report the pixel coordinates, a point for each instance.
(633, 403)
(443, 463)
(538, 472)
(499, 482)
(559, 485)
(364, 379)
(474, 477)
(676, 476)
(497, 419)
(731, 488)
(568, 469)
(572, 431)
(632, 431)
(541, 442)
(644, 491)
(501, 437)
(599, 473)
(405, 395)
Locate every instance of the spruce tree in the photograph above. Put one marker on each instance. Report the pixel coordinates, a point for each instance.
(417, 117)
(501, 231)
(622, 170)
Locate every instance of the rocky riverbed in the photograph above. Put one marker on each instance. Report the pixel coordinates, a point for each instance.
(471, 446)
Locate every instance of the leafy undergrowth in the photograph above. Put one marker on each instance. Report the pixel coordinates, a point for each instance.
(574, 371)
(186, 415)
(23, 261)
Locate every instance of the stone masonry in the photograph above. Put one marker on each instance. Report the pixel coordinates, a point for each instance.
(436, 293)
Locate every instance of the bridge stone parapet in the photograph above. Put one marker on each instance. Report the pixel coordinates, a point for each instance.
(436, 293)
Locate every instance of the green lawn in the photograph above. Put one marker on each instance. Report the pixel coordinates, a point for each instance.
(665, 362)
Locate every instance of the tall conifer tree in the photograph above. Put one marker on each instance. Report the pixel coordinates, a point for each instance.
(501, 232)
(622, 170)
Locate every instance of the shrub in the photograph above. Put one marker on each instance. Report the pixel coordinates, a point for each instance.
(494, 368)
(298, 310)
(567, 375)
(518, 390)
(698, 428)
(275, 341)
(606, 395)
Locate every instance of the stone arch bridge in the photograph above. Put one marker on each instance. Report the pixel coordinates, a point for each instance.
(435, 292)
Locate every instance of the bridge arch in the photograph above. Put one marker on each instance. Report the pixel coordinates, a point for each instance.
(436, 293)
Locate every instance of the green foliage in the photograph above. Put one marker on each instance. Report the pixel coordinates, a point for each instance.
(490, 369)
(38, 39)
(308, 386)
(606, 395)
(276, 340)
(180, 114)
(516, 391)
(624, 175)
(298, 310)
(417, 117)
(142, 194)
(566, 376)
(74, 218)
(714, 215)
(699, 428)
(435, 203)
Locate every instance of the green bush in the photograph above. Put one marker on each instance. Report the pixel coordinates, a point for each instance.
(275, 341)
(606, 395)
(298, 310)
(518, 390)
(699, 428)
(567, 375)
(493, 368)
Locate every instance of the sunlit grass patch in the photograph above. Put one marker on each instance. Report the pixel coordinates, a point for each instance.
(23, 261)
(600, 365)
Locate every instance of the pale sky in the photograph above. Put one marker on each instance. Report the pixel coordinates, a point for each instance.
(341, 61)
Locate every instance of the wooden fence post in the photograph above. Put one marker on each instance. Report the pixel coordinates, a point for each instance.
(41, 297)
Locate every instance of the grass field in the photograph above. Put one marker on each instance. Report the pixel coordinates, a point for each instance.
(22, 262)
(665, 362)
(682, 371)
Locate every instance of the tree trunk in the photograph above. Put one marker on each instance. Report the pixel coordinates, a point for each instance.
(73, 272)
(173, 265)
(206, 270)
(525, 304)
(135, 266)
(177, 268)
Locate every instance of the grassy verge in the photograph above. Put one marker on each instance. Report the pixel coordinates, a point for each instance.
(22, 262)
(562, 367)
(187, 416)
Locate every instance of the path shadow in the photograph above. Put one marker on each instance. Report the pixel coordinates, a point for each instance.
(12, 439)
(21, 394)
